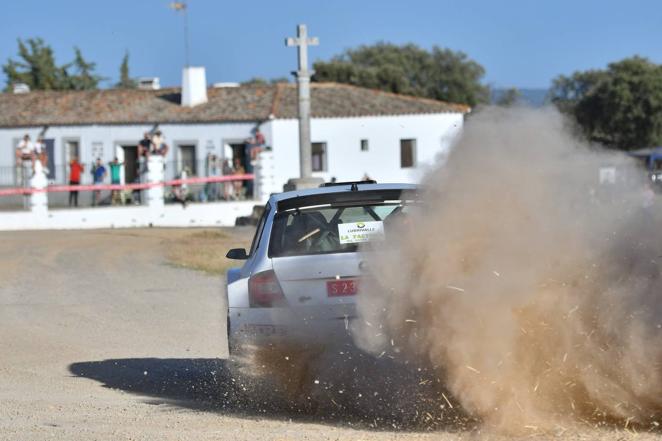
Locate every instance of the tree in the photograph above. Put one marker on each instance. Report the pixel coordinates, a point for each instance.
(126, 82)
(85, 78)
(37, 68)
(259, 81)
(509, 97)
(439, 74)
(620, 107)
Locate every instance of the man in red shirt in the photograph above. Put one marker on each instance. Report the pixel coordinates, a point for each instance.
(74, 179)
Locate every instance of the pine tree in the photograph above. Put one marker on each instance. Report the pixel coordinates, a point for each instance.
(85, 79)
(37, 68)
(126, 82)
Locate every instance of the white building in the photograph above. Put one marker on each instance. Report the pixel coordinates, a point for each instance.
(355, 131)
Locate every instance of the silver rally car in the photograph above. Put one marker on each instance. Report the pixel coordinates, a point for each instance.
(303, 271)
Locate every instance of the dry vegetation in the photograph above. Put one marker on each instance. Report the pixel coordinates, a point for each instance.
(204, 250)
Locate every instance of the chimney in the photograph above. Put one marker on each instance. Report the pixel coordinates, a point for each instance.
(21, 88)
(194, 86)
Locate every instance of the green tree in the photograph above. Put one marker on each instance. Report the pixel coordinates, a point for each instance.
(84, 77)
(126, 82)
(259, 81)
(439, 74)
(37, 68)
(620, 107)
(509, 97)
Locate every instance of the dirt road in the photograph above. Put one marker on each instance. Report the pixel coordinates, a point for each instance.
(102, 339)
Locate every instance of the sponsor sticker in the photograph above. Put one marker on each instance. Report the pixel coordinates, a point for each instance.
(358, 232)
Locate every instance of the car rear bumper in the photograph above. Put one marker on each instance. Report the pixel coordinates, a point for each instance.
(300, 326)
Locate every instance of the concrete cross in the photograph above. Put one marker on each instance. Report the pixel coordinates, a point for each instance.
(302, 42)
(303, 80)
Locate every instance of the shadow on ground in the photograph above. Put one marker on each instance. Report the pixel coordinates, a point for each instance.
(372, 402)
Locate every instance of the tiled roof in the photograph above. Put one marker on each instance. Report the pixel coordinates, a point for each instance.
(244, 103)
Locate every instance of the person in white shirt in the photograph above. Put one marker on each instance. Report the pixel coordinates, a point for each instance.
(24, 161)
(25, 149)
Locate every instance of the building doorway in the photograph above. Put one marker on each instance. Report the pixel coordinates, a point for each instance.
(71, 152)
(130, 163)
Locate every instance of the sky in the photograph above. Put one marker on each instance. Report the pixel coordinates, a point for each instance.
(521, 43)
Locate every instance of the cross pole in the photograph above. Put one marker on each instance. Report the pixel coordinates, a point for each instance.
(301, 42)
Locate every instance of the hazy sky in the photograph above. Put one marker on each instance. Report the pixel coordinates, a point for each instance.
(520, 43)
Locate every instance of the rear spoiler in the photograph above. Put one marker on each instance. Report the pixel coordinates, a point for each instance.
(348, 197)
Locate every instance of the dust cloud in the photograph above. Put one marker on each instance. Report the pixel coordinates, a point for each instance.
(532, 289)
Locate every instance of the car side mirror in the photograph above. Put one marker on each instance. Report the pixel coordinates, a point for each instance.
(237, 254)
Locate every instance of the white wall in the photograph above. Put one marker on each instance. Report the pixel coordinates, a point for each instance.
(434, 135)
(222, 214)
(208, 137)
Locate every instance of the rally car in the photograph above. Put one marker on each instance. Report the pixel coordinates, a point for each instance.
(304, 268)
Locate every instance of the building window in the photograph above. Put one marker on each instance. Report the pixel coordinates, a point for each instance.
(187, 160)
(407, 153)
(319, 156)
(364, 145)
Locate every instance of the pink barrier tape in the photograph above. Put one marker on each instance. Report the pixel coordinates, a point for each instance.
(140, 186)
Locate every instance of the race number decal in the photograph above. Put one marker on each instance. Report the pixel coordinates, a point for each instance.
(357, 232)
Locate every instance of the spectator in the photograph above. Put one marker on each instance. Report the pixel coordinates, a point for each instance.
(24, 161)
(253, 147)
(213, 169)
(180, 191)
(145, 146)
(75, 170)
(98, 174)
(144, 149)
(159, 147)
(238, 185)
(228, 187)
(25, 149)
(41, 154)
(115, 172)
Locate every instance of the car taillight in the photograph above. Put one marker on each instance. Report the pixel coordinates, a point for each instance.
(264, 290)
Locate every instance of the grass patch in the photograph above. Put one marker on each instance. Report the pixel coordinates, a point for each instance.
(204, 250)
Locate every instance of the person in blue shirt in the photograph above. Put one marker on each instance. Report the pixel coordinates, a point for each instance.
(98, 173)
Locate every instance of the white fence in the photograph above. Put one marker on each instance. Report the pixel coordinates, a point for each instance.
(153, 214)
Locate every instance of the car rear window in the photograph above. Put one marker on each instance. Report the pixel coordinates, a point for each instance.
(324, 230)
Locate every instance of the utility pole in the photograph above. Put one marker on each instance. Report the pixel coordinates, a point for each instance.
(301, 42)
(183, 7)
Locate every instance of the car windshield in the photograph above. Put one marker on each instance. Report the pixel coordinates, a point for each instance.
(323, 230)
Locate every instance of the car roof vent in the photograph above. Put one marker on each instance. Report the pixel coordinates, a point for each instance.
(354, 184)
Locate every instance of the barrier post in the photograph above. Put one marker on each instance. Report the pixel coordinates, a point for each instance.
(155, 174)
(265, 176)
(39, 199)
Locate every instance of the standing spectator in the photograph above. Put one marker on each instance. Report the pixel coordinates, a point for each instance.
(145, 145)
(144, 149)
(159, 147)
(40, 153)
(98, 173)
(238, 185)
(25, 149)
(253, 147)
(24, 158)
(213, 169)
(180, 191)
(75, 170)
(228, 187)
(115, 171)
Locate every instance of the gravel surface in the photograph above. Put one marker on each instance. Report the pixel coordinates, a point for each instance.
(102, 339)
